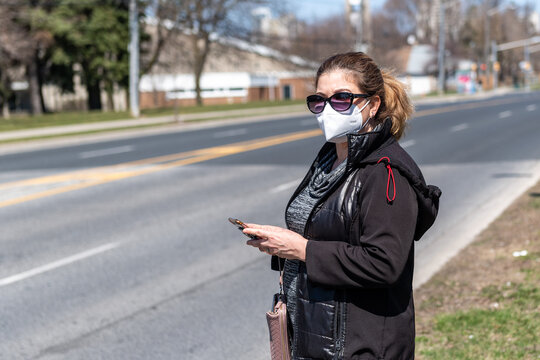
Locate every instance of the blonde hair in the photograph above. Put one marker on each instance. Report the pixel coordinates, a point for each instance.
(395, 102)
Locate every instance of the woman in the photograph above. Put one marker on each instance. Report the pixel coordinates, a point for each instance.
(352, 221)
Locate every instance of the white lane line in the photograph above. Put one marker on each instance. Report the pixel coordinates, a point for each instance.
(531, 107)
(307, 122)
(285, 186)
(408, 143)
(230, 133)
(459, 127)
(505, 114)
(105, 152)
(59, 263)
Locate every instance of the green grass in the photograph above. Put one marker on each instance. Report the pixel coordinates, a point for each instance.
(436, 93)
(509, 333)
(510, 330)
(223, 107)
(20, 122)
(534, 202)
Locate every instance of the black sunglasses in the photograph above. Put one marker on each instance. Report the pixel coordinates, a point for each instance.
(340, 101)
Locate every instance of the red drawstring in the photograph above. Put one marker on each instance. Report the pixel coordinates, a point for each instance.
(390, 175)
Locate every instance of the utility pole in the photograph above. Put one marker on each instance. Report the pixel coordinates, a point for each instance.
(528, 67)
(487, 40)
(442, 36)
(366, 29)
(134, 58)
(359, 21)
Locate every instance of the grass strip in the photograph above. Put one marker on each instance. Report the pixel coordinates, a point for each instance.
(485, 302)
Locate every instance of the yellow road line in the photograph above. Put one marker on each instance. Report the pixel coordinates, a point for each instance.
(223, 150)
(97, 176)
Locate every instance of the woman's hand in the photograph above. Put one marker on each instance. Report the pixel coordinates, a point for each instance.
(278, 241)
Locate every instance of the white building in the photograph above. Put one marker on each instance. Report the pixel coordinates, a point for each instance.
(235, 71)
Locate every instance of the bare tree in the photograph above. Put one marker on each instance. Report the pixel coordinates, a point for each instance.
(388, 41)
(201, 21)
(166, 13)
(312, 41)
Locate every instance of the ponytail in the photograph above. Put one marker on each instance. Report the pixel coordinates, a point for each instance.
(395, 104)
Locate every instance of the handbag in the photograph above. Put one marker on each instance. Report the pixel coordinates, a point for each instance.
(277, 325)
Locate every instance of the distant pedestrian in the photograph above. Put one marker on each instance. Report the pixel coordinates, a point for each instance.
(352, 221)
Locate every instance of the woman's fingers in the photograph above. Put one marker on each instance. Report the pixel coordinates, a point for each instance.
(264, 227)
(261, 244)
(255, 231)
(272, 240)
(256, 243)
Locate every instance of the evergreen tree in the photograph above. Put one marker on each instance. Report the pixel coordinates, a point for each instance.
(93, 34)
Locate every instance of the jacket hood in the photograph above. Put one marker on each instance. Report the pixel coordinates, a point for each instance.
(379, 145)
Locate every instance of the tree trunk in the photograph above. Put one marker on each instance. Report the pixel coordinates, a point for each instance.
(33, 82)
(5, 85)
(201, 47)
(110, 98)
(126, 93)
(5, 109)
(198, 96)
(94, 95)
(40, 84)
(42, 99)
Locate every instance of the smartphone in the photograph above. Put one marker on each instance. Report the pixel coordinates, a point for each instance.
(241, 226)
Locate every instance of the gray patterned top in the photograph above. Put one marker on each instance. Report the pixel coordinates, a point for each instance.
(297, 216)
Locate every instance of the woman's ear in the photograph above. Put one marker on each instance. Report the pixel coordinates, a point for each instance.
(375, 104)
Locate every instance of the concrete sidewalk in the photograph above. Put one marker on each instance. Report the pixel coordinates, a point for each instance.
(219, 117)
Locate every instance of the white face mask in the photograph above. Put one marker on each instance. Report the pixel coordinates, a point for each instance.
(336, 125)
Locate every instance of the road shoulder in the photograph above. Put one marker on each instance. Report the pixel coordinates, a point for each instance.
(485, 302)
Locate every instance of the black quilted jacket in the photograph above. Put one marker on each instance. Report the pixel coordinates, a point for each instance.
(355, 288)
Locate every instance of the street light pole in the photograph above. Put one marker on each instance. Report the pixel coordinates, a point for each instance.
(440, 80)
(134, 58)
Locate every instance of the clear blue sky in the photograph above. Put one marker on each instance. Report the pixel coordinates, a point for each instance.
(311, 10)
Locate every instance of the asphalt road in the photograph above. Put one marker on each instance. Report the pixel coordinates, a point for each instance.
(120, 249)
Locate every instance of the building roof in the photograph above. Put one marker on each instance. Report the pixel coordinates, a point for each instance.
(227, 54)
